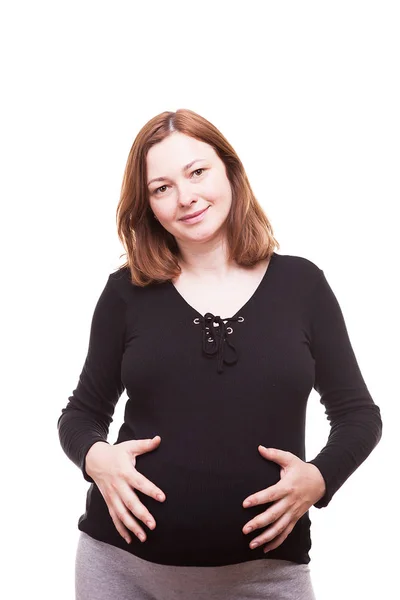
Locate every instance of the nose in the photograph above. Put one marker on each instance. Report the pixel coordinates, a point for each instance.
(187, 201)
(186, 196)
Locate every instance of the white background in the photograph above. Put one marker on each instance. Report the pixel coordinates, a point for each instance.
(308, 95)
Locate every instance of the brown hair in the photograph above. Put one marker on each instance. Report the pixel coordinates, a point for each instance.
(151, 251)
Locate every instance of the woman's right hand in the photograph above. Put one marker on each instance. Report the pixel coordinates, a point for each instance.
(110, 467)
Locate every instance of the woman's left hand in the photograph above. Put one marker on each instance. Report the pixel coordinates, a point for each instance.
(301, 485)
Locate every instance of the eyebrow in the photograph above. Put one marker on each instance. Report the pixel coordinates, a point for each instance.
(185, 168)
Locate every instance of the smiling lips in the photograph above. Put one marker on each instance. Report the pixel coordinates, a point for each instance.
(193, 215)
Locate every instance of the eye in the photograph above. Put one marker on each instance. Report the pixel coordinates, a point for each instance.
(198, 170)
(156, 191)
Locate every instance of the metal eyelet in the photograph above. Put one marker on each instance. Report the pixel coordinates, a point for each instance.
(229, 330)
(240, 319)
(196, 320)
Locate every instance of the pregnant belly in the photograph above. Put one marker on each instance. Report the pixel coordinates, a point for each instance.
(202, 516)
(200, 523)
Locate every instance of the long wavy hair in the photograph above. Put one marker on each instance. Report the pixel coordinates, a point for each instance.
(151, 251)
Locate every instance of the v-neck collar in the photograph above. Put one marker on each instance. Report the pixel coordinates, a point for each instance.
(245, 305)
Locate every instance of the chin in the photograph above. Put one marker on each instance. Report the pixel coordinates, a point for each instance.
(205, 236)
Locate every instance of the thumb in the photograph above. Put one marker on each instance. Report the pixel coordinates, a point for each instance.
(282, 457)
(152, 441)
(143, 445)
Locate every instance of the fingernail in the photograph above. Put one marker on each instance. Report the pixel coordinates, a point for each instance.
(141, 537)
(150, 524)
(160, 497)
(246, 503)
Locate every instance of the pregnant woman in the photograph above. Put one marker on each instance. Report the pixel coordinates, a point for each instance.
(218, 342)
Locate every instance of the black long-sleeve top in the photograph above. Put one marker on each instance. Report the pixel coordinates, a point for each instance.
(214, 395)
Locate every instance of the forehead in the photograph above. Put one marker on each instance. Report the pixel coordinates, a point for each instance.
(175, 151)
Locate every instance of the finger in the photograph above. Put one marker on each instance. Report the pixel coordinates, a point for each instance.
(124, 522)
(275, 512)
(134, 505)
(272, 532)
(278, 540)
(282, 457)
(138, 481)
(270, 494)
(145, 445)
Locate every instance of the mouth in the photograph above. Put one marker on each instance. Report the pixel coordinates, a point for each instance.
(193, 215)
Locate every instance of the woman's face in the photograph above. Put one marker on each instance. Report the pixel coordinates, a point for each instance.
(180, 192)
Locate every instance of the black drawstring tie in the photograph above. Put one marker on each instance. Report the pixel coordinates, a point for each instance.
(214, 337)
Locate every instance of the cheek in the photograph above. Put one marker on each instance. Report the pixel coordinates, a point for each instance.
(221, 190)
(164, 211)
(222, 201)
(218, 194)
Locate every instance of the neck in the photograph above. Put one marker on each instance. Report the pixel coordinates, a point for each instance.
(209, 262)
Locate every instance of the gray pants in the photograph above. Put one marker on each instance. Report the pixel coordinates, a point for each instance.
(105, 572)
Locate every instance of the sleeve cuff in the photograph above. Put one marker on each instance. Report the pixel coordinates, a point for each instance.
(82, 466)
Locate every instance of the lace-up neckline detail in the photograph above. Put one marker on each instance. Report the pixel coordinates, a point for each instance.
(215, 330)
(215, 338)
